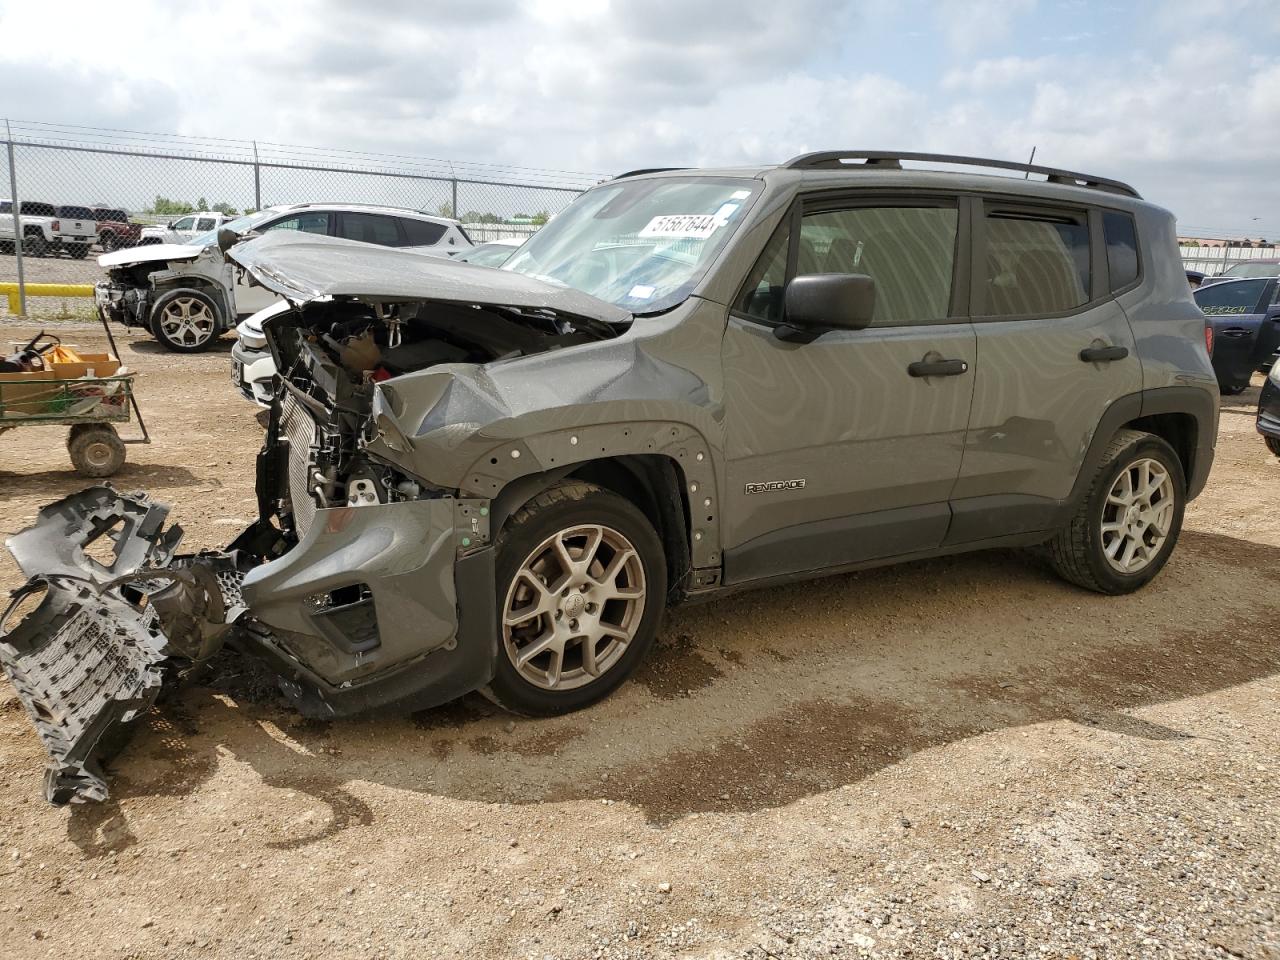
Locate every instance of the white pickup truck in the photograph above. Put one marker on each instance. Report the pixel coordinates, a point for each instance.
(184, 228)
(49, 229)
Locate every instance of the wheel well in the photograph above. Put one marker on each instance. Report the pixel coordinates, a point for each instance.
(210, 289)
(1179, 430)
(653, 482)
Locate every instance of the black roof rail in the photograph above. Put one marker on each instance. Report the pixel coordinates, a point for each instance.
(644, 170)
(892, 160)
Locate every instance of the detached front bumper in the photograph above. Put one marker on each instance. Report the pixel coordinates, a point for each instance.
(386, 605)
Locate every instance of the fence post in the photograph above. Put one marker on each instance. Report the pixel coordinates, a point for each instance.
(257, 179)
(17, 221)
(456, 215)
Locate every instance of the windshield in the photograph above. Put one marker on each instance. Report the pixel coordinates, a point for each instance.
(489, 254)
(1254, 270)
(639, 244)
(239, 225)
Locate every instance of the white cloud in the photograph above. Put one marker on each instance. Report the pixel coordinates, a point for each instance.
(1192, 117)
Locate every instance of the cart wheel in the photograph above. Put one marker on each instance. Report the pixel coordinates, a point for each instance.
(96, 450)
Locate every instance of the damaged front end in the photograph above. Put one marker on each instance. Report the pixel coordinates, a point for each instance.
(367, 580)
(109, 618)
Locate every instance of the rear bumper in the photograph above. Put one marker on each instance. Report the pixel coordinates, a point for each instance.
(1269, 410)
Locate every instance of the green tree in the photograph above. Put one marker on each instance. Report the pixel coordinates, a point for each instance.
(169, 208)
(541, 217)
(225, 208)
(445, 210)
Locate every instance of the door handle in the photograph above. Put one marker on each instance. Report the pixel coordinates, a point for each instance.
(937, 368)
(1103, 354)
(1235, 332)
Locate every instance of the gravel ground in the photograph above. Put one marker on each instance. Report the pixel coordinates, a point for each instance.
(955, 758)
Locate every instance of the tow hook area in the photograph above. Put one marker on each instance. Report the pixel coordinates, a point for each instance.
(109, 619)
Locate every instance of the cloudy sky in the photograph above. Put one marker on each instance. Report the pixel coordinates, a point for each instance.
(1179, 97)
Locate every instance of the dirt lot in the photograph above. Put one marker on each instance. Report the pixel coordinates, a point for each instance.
(954, 758)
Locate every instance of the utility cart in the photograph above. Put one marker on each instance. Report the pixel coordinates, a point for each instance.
(44, 384)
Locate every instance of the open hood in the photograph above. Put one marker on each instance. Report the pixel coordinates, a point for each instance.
(303, 267)
(150, 253)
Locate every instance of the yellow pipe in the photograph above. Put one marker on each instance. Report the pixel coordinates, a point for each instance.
(10, 290)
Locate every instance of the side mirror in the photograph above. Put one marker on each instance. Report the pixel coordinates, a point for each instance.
(227, 238)
(828, 301)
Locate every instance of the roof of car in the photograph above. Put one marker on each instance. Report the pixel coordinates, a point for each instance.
(367, 208)
(884, 169)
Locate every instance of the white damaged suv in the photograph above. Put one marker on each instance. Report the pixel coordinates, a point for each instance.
(187, 295)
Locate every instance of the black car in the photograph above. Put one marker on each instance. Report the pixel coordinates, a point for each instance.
(1269, 410)
(1245, 317)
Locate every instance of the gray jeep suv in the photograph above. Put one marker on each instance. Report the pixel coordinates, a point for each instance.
(689, 382)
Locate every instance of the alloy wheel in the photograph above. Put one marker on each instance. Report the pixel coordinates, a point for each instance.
(187, 321)
(1137, 516)
(573, 606)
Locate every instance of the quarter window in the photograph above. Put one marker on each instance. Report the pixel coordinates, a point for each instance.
(762, 294)
(908, 251)
(1122, 249)
(1036, 263)
(421, 233)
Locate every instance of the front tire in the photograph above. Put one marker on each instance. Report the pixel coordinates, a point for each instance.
(1273, 445)
(1127, 524)
(186, 320)
(582, 583)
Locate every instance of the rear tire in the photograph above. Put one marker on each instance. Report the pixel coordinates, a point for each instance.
(35, 245)
(96, 450)
(108, 241)
(582, 583)
(1127, 523)
(1273, 445)
(1233, 389)
(78, 251)
(186, 320)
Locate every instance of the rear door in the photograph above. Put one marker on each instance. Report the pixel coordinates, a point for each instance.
(1244, 318)
(1054, 352)
(838, 452)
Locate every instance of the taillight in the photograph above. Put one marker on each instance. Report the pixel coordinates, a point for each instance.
(1208, 338)
(57, 225)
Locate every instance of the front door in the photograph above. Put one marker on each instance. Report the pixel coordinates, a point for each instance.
(846, 448)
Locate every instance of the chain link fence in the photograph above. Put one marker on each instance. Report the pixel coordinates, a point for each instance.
(69, 193)
(1213, 260)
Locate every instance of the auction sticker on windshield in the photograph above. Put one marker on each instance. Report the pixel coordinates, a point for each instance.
(683, 226)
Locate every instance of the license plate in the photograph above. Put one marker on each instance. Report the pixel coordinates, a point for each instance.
(237, 372)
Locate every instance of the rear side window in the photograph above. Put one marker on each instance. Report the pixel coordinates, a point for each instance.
(1122, 248)
(1231, 296)
(370, 228)
(118, 216)
(1036, 263)
(34, 208)
(422, 233)
(6, 206)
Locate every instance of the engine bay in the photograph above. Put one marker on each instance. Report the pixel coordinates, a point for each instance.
(330, 355)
